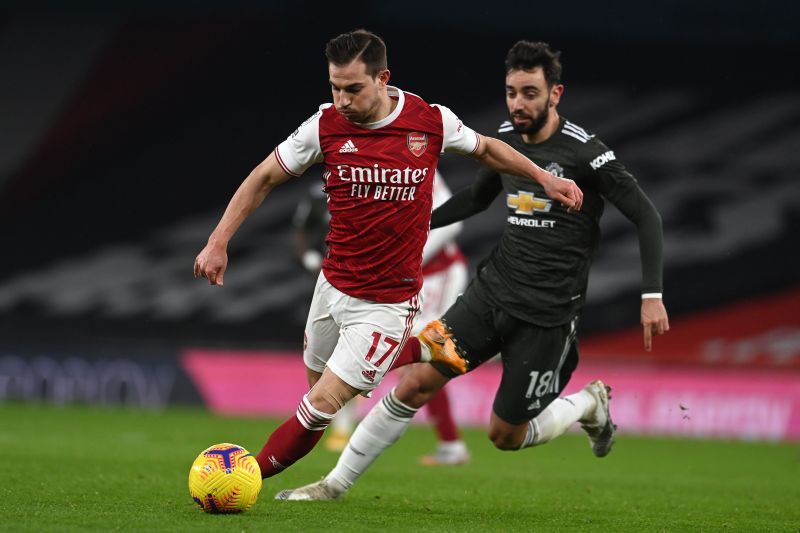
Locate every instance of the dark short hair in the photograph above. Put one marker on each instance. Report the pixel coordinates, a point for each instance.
(526, 55)
(359, 44)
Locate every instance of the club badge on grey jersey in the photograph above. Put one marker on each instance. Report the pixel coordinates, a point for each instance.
(555, 169)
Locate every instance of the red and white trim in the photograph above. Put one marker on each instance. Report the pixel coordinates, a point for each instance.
(311, 418)
(413, 310)
(283, 164)
(477, 143)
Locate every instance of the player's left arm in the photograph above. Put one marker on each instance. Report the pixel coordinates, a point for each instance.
(621, 189)
(501, 157)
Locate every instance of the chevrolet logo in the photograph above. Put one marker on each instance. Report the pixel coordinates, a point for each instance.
(525, 203)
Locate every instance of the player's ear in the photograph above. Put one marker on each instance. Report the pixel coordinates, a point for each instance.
(555, 94)
(383, 78)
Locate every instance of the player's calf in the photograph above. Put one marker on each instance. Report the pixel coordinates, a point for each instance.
(419, 385)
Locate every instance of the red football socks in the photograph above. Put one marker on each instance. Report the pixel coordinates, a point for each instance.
(293, 439)
(411, 353)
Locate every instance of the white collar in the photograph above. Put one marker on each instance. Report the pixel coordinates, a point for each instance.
(388, 119)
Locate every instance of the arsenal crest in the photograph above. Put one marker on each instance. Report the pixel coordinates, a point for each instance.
(417, 143)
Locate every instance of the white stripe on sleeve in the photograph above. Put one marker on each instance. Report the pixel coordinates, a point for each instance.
(458, 137)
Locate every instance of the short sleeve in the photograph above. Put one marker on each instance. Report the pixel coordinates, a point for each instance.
(301, 149)
(458, 137)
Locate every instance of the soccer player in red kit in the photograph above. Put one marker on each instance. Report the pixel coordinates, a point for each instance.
(380, 147)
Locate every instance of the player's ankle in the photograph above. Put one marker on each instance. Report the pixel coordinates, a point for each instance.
(590, 406)
(336, 485)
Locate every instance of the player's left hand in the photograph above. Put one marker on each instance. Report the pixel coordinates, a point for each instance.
(654, 320)
(565, 191)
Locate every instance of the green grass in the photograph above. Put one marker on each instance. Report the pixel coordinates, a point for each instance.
(88, 469)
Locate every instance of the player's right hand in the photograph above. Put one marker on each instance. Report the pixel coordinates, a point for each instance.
(211, 263)
(565, 191)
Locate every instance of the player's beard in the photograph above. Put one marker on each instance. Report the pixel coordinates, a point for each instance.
(364, 117)
(536, 123)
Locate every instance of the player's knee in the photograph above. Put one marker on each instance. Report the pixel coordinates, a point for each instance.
(415, 389)
(329, 398)
(410, 393)
(504, 440)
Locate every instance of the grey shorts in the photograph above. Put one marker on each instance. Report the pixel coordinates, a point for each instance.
(537, 362)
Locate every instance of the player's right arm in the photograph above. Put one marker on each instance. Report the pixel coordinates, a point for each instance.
(469, 201)
(621, 189)
(213, 259)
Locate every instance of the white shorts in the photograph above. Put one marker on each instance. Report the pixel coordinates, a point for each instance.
(440, 291)
(357, 339)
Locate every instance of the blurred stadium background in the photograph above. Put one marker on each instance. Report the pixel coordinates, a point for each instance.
(124, 131)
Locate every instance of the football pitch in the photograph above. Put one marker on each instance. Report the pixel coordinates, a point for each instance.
(93, 469)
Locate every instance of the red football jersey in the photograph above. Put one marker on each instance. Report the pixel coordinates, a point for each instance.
(379, 180)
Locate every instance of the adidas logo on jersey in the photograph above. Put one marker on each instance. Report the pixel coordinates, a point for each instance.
(348, 147)
(369, 374)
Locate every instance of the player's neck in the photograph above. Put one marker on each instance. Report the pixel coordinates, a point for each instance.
(384, 109)
(547, 131)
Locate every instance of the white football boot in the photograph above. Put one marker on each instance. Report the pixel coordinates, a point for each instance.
(447, 454)
(598, 425)
(322, 490)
